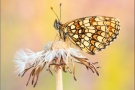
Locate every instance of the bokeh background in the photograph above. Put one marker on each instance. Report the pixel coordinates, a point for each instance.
(29, 24)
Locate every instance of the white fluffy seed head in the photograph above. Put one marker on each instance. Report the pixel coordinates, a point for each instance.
(56, 53)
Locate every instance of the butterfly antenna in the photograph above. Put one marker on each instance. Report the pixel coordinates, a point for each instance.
(55, 13)
(60, 10)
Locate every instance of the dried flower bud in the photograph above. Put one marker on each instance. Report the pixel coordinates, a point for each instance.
(56, 54)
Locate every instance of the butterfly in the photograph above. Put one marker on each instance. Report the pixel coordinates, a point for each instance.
(91, 34)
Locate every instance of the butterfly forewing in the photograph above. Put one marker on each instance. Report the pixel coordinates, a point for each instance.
(92, 34)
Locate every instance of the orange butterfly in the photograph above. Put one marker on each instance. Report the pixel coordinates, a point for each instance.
(91, 34)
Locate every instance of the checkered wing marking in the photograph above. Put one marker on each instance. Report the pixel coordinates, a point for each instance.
(92, 34)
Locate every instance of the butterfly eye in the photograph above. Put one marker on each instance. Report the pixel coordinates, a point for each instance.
(56, 24)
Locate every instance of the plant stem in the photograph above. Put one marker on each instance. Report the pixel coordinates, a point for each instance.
(59, 84)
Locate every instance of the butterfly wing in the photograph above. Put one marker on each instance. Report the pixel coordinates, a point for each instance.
(94, 33)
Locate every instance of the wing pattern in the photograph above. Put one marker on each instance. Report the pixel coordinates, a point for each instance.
(94, 33)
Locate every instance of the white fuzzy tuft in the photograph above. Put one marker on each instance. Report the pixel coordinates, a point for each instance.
(25, 59)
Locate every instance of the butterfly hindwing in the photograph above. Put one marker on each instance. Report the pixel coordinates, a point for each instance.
(92, 34)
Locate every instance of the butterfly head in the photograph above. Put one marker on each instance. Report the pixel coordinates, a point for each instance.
(57, 24)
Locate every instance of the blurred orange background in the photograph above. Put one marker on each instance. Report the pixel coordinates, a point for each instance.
(29, 24)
